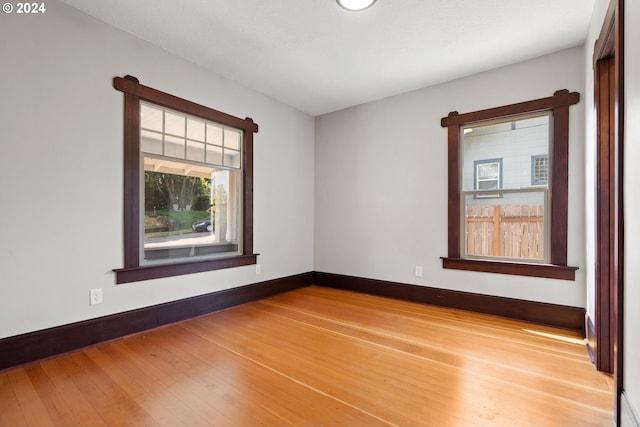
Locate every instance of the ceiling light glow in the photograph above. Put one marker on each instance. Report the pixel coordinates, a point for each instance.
(355, 5)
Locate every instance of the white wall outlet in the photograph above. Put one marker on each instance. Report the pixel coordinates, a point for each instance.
(418, 271)
(95, 296)
(258, 269)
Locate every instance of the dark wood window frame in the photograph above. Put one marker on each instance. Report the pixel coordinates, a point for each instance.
(557, 268)
(134, 92)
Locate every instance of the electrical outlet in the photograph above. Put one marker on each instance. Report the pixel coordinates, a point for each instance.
(418, 271)
(258, 269)
(95, 296)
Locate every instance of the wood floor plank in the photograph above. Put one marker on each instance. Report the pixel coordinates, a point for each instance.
(187, 392)
(437, 317)
(10, 411)
(112, 402)
(505, 344)
(90, 382)
(320, 357)
(32, 408)
(534, 376)
(214, 379)
(157, 396)
(82, 409)
(345, 369)
(57, 408)
(502, 351)
(260, 393)
(144, 394)
(324, 365)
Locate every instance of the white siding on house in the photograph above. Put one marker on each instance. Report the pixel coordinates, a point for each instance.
(513, 143)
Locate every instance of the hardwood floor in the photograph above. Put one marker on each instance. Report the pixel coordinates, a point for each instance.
(319, 357)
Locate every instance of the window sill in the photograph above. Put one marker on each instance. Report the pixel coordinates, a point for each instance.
(549, 271)
(148, 272)
(488, 196)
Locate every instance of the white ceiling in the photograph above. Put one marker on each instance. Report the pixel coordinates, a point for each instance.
(315, 56)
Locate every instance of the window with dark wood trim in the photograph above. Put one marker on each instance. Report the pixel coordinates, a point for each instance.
(556, 267)
(135, 269)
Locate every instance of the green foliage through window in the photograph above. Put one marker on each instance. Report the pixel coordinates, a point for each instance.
(163, 190)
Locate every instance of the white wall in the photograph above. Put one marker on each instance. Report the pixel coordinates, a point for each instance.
(61, 175)
(381, 182)
(632, 207)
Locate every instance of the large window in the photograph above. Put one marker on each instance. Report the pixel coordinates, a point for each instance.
(192, 186)
(511, 224)
(522, 151)
(188, 186)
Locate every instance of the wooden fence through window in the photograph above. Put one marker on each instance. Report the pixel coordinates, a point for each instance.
(511, 231)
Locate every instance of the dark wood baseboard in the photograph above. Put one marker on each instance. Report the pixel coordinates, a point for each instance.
(628, 414)
(590, 336)
(29, 347)
(32, 346)
(561, 316)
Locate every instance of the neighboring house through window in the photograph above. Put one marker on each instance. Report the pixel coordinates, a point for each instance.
(188, 186)
(515, 225)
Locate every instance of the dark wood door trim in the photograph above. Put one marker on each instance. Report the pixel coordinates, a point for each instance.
(605, 213)
(609, 99)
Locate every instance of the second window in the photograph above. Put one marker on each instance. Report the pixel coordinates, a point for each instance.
(511, 223)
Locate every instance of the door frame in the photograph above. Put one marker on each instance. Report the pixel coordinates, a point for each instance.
(609, 257)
